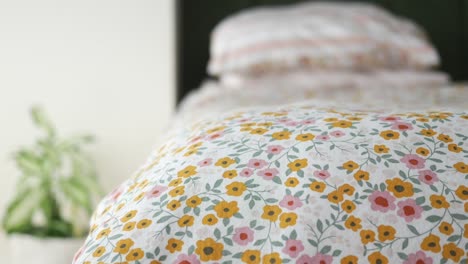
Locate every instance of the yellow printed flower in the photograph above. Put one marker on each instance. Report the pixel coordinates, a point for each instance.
(428, 132)
(346, 189)
(251, 257)
(216, 129)
(273, 258)
(422, 151)
(139, 197)
(230, 174)
(348, 206)
(186, 220)
(461, 167)
(225, 162)
(297, 164)
(287, 219)
(174, 245)
(177, 191)
(142, 224)
(175, 182)
(377, 258)
(353, 223)
(129, 226)
(446, 228)
(462, 192)
(389, 135)
(330, 119)
(123, 246)
(173, 205)
(379, 149)
(438, 201)
(451, 251)
(128, 216)
(350, 260)
(367, 236)
(236, 189)
(187, 171)
(209, 249)
(350, 165)
(258, 131)
(210, 219)
(342, 124)
(386, 232)
(190, 152)
(271, 212)
(400, 188)
(103, 233)
(281, 135)
(305, 137)
(431, 243)
(361, 175)
(444, 138)
(193, 201)
(135, 254)
(317, 186)
(226, 209)
(99, 252)
(291, 182)
(335, 197)
(454, 148)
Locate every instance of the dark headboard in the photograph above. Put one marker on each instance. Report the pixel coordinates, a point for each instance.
(446, 22)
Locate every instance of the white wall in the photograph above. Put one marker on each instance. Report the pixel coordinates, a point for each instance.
(98, 66)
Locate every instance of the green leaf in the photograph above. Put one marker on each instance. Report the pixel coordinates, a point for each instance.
(41, 121)
(21, 210)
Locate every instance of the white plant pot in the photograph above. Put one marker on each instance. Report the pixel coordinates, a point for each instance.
(29, 249)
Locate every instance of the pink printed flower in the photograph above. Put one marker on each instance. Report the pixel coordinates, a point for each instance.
(308, 122)
(322, 259)
(292, 123)
(290, 202)
(276, 149)
(428, 177)
(322, 174)
(413, 161)
(115, 194)
(268, 174)
(243, 235)
(418, 258)
(337, 133)
(389, 118)
(186, 259)
(293, 248)
(304, 259)
(256, 163)
(382, 201)
(205, 162)
(215, 135)
(322, 137)
(402, 126)
(409, 210)
(246, 172)
(193, 140)
(156, 191)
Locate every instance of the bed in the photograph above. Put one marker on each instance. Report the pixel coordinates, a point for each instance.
(299, 161)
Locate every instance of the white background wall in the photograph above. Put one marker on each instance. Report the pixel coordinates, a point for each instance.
(98, 66)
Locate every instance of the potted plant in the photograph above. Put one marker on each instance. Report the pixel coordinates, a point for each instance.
(57, 190)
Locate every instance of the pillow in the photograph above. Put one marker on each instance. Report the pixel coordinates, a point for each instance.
(316, 35)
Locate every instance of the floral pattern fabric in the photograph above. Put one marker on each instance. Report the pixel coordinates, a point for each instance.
(295, 185)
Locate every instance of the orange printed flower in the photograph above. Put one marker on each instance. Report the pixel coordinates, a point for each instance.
(367, 236)
(390, 135)
(193, 201)
(350, 260)
(353, 223)
(461, 167)
(422, 151)
(428, 132)
(298, 164)
(342, 124)
(305, 137)
(446, 228)
(210, 219)
(174, 245)
(135, 254)
(272, 258)
(361, 175)
(226, 209)
(346, 189)
(186, 220)
(348, 206)
(462, 192)
(281, 135)
(377, 258)
(451, 251)
(209, 250)
(236, 188)
(173, 205)
(123, 246)
(271, 212)
(350, 165)
(129, 226)
(317, 186)
(400, 188)
(251, 257)
(142, 224)
(187, 171)
(335, 197)
(379, 149)
(225, 162)
(230, 174)
(258, 131)
(444, 138)
(454, 148)
(431, 243)
(386, 232)
(438, 201)
(287, 219)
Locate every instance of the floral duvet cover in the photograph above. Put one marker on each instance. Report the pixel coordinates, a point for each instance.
(297, 184)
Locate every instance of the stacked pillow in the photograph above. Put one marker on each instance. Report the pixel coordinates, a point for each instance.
(318, 36)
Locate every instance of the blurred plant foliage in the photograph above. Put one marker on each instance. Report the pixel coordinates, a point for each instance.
(58, 186)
